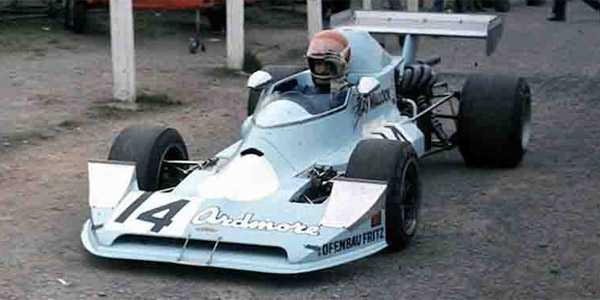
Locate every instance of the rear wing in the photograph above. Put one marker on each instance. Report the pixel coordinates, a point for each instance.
(486, 27)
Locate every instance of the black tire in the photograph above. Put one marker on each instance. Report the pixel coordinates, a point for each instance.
(148, 147)
(217, 19)
(536, 2)
(277, 72)
(396, 163)
(502, 5)
(79, 16)
(418, 81)
(494, 120)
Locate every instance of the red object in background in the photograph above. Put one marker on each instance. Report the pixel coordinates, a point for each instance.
(75, 11)
(168, 4)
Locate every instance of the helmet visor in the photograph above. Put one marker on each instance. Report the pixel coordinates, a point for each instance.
(322, 68)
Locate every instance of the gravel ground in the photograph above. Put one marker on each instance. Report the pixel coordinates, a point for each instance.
(526, 233)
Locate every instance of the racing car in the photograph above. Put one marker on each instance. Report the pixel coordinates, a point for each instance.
(304, 190)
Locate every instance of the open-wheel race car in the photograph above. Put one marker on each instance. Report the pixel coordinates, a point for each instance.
(307, 188)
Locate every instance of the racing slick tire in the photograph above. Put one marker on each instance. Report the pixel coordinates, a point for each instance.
(277, 73)
(494, 121)
(396, 163)
(148, 147)
(417, 83)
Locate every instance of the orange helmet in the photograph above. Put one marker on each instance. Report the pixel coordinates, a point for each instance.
(332, 48)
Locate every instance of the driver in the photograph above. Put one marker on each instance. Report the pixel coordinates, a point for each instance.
(328, 56)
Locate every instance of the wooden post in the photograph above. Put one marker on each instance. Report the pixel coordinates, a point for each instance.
(314, 15)
(367, 5)
(235, 34)
(123, 52)
(412, 5)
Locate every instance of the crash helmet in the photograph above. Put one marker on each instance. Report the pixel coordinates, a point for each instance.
(328, 56)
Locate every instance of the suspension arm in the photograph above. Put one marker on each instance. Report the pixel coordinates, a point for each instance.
(445, 98)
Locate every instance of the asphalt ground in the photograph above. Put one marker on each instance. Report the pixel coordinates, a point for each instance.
(525, 233)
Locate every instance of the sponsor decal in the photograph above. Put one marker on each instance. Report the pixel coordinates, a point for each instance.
(367, 102)
(160, 217)
(213, 216)
(351, 242)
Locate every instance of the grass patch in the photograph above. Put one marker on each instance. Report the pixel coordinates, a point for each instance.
(70, 123)
(116, 109)
(251, 63)
(46, 99)
(157, 100)
(226, 72)
(15, 139)
(113, 109)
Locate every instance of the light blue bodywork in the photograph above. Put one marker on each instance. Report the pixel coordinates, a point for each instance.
(291, 145)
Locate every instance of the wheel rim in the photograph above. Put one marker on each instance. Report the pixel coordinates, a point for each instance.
(167, 177)
(526, 120)
(409, 204)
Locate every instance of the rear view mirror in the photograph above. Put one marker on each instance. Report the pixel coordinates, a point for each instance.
(367, 85)
(259, 78)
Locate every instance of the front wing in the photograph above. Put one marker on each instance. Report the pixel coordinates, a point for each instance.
(231, 256)
(271, 235)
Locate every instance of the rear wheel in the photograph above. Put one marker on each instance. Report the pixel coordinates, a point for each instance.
(149, 147)
(417, 83)
(494, 122)
(396, 163)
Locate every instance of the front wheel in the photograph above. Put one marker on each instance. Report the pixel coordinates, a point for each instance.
(396, 163)
(149, 147)
(494, 122)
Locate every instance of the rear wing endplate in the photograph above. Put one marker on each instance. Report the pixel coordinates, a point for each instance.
(428, 24)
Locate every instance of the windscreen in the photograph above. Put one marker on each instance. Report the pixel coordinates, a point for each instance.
(292, 107)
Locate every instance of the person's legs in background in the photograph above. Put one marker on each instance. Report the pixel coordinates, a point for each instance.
(438, 6)
(395, 5)
(558, 10)
(458, 6)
